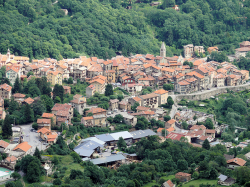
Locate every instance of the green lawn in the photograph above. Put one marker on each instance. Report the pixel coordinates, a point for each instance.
(196, 183)
(170, 177)
(68, 162)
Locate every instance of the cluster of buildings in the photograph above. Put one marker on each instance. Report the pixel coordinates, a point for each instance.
(92, 148)
(132, 73)
(14, 151)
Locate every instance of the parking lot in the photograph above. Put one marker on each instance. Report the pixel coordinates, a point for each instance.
(32, 138)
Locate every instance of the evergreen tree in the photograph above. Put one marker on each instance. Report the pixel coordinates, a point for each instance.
(7, 127)
(121, 144)
(206, 145)
(109, 90)
(33, 172)
(58, 91)
(28, 114)
(17, 86)
(37, 154)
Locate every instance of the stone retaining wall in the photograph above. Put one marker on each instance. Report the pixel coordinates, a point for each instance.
(208, 93)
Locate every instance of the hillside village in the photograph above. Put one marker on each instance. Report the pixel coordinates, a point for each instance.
(161, 76)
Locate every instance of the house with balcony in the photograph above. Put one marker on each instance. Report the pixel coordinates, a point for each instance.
(99, 116)
(150, 100)
(79, 103)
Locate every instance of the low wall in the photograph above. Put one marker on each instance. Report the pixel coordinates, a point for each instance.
(206, 94)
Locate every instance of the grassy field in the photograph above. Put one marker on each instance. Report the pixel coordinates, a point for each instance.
(67, 161)
(154, 182)
(196, 183)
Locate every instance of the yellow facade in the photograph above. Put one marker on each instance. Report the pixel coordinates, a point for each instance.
(55, 78)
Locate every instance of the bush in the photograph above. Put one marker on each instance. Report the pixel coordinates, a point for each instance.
(35, 126)
(57, 182)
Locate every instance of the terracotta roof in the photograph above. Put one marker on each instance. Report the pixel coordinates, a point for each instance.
(43, 130)
(171, 121)
(142, 108)
(29, 100)
(219, 76)
(61, 119)
(194, 73)
(96, 110)
(183, 174)
(161, 91)
(58, 106)
(160, 129)
(63, 113)
(245, 43)
(88, 118)
(47, 121)
(6, 87)
(13, 67)
(210, 131)
(97, 80)
(19, 95)
(54, 72)
(3, 144)
(174, 136)
(151, 95)
(198, 127)
(198, 62)
(113, 100)
(183, 82)
(167, 69)
(47, 115)
(24, 146)
(170, 129)
(243, 49)
(11, 159)
(238, 161)
(168, 184)
(91, 86)
(136, 99)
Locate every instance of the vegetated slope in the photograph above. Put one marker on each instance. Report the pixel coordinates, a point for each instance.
(39, 29)
(202, 22)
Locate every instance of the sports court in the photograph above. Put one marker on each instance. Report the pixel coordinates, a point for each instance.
(4, 172)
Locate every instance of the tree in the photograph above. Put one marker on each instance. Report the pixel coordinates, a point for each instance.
(184, 125)
(118, 118)
(213, 173)
(48, 102)
(182, 165)
(39, 108)
(57, 182)
(209, 123)
(167, 118)
(206, 144)
(121, 144)
(37, 154)
(10, 184)
(15, 176)
(170, 101)
(33, 172)
(242, 175)
(90, 114)
(70, 80)
(135, 105)
(17, 86)
(7, 128)
(58, 99)
(120, 97)
(28, 114)
(168, 87)
(30, 73)
(195, 117)
(58, 91)
(109, 90)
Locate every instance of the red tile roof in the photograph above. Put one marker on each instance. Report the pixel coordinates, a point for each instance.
(24, 146)
(237, 161)
(11, 159)
(45, 121)
(3, 144)
(182, 174)
(47, 115)
(6, 87)
(174, 136)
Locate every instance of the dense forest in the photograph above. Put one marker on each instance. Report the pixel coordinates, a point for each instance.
(101, 28)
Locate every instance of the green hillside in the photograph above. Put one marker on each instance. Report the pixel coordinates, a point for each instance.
(100, 28)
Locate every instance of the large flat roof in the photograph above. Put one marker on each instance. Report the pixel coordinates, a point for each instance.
(108, 159)
(142, 133)
(123, 134)
(105, 137)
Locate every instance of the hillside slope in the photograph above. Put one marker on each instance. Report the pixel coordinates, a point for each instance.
(40, 29)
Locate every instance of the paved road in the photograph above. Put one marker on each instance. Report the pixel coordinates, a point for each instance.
(32, 138)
